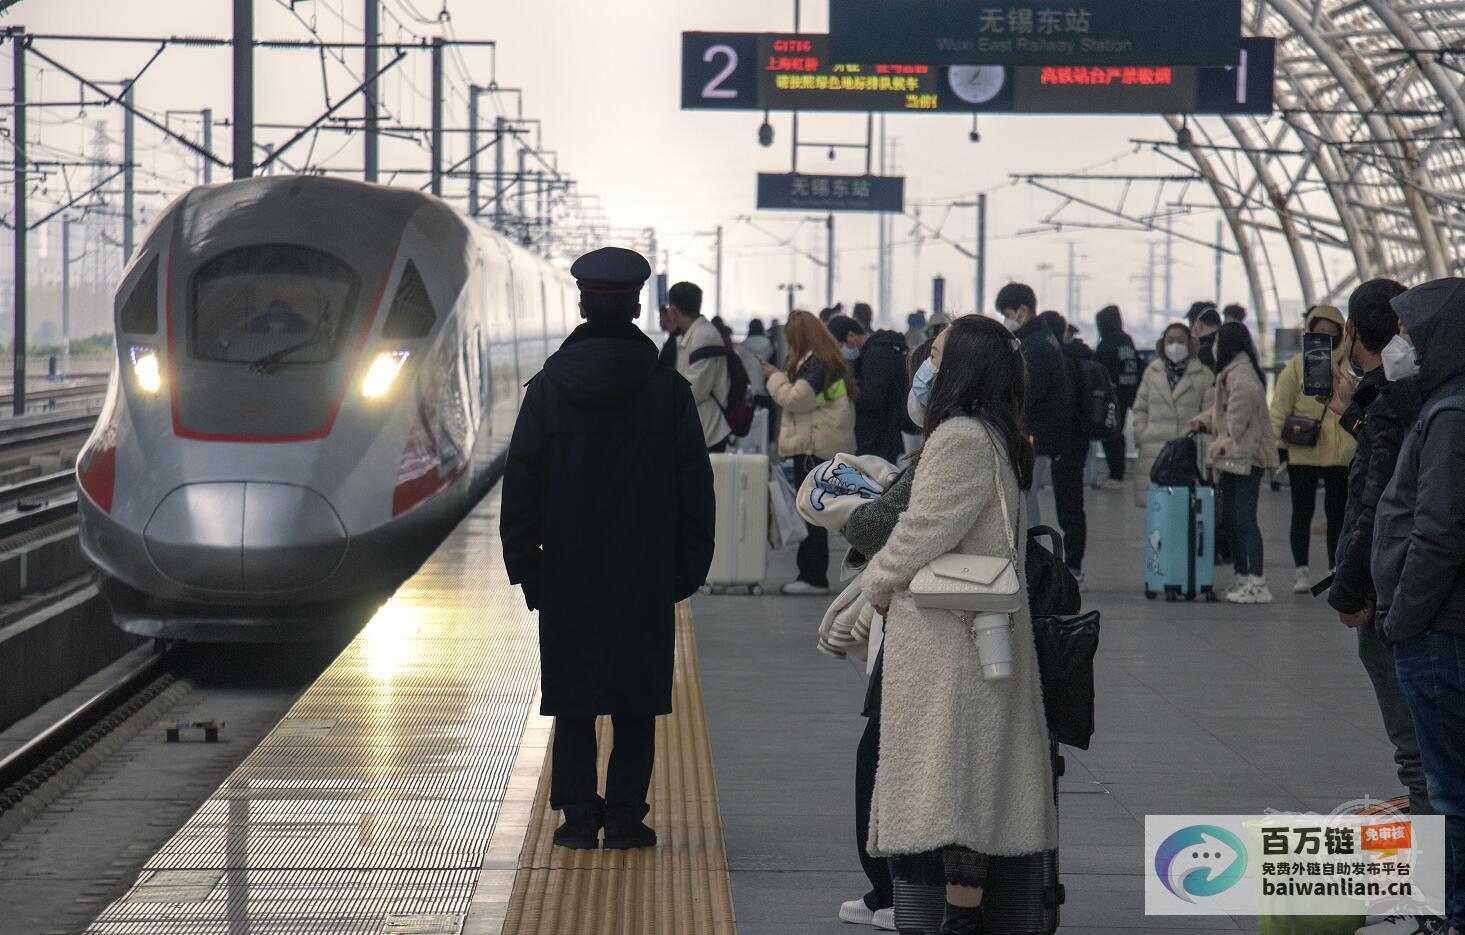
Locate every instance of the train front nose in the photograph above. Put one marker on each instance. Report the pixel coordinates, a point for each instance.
(245, 536)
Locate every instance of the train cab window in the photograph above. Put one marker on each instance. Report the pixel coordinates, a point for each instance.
(270, 305)
(411, 316)
(139, 313)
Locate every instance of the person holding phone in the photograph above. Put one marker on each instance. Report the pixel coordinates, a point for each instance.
(1318, 450)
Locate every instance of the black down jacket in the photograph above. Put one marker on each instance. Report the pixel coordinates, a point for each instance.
(1418, 563)
(1049, 403)
(607, 519)
(1379, 417)
(880, 374)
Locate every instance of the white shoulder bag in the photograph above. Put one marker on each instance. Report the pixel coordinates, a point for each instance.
(973, 584)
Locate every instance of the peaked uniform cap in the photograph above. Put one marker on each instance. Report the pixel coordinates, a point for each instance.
(611, 271)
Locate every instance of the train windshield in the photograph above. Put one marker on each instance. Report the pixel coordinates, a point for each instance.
(271, 305)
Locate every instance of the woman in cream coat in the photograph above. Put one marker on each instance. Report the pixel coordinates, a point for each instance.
(1175, 388)
(963, 762)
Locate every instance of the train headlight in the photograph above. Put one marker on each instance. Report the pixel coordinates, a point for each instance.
(146, 368)
(382, 372)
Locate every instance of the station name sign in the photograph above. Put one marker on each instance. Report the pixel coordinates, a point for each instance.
(788, 71)
(798, 192)
(1037, 32)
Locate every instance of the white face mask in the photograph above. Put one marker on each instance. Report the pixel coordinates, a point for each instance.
(1177, 352)
(1400, 359)
(1012, 324)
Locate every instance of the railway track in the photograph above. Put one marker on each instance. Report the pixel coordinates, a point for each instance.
(43, 756)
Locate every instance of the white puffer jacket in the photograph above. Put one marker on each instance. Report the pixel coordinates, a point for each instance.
(1162, 414)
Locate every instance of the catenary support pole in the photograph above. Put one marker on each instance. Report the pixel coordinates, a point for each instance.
(437, 115)
(65, 296)
(981, 254)
(1169, 266)
(208, 143)
(719, 270)
(129, 188)
(498, 174)
(829, 262)
(243, 88)
(473, 205)
(1220, 260)
(371, 29)
(17, 139)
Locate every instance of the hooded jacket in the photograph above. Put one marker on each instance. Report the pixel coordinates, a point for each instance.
(1334, 446)
(880, 375)
(1049, 404)
(1418, 563)
(607, 440)
(1379, 417)
(1116, 352)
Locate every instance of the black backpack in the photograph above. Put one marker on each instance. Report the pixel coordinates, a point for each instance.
(738, 409)
(1098, 407)
(1178, 464)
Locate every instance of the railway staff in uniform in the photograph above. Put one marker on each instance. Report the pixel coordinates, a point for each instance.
(608, 444)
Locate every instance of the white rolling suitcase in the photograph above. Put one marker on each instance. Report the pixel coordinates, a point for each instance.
(740, 557)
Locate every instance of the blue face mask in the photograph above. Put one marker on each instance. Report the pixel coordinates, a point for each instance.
(921, 384)
(851, 353)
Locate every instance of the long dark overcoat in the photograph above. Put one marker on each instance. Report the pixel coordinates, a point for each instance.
(607, 519)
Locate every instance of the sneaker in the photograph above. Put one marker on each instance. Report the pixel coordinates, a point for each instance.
(1301, 585)
(1110, 483)
(1241, 595)
(883, 919)
(855, 911)
(1241, 583)
(802, 589)
(1259, 592)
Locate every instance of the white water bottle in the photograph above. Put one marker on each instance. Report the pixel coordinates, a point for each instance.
(993, 633)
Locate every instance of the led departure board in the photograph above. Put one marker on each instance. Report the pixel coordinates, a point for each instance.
(786, 71)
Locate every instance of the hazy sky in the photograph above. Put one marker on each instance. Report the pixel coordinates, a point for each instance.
(604, 78)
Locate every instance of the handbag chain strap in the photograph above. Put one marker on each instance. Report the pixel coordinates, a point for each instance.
(1002, 499)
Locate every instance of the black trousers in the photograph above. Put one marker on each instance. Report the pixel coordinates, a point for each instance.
(1304, 480)
(1068, 498)
(573, 780)
(877, 869)
(1114, 446)
(813, 559)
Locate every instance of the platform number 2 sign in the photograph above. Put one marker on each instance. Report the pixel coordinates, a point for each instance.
(718, 71)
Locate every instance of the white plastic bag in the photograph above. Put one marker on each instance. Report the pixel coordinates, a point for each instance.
(785, 525)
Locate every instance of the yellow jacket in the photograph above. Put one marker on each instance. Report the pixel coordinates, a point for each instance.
(1334, 446)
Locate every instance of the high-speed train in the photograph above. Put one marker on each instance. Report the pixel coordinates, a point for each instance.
(316, 379)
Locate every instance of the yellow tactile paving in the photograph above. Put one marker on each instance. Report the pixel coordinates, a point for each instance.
(679, 888)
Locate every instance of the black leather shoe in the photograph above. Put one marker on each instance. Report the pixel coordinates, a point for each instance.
(959, 920)
(581, 828)
(627, 833)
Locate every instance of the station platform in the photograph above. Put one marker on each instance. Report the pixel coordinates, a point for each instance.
(1202, 709)
(405, 793)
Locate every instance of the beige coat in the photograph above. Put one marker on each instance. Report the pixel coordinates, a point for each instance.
(1239, 419)
(1161, 414)
(1334, 446)
(812, 424)
(962, 760)
(709, 378)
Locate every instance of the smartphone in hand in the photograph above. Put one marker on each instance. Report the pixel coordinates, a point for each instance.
(1317, 364)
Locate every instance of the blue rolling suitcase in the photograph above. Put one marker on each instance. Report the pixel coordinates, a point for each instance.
(1180, 542)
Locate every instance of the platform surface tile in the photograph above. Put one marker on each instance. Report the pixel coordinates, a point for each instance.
(370, 809)
(681, 886)
(1202, 709)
